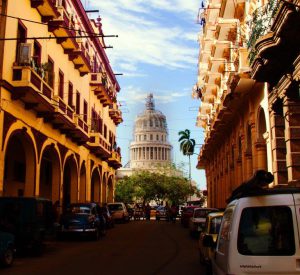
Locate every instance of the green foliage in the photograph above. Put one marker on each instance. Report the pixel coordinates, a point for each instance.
(187, 144)
(145, 186)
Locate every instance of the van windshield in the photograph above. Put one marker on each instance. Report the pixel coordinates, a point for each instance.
(266, 231)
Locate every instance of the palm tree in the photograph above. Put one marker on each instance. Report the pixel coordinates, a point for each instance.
(187, 146)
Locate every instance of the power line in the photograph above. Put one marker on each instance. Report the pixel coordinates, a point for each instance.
(57, 37)
(45, 24)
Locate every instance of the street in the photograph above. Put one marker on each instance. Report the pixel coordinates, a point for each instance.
(138, 247)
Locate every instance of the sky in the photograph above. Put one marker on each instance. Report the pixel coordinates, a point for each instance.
(157, 52)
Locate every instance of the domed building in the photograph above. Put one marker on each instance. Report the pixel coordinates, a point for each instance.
(150, 148)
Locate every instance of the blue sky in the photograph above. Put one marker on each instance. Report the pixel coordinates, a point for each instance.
(157, 52)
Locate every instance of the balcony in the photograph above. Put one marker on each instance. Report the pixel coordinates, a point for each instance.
(80, 58)
(101, 89)
(115, 160)
(63, 28)
(115, 114)
(99, 146)
(32, 89)
(81, 131)
(46, 8)
(62, 118)
(275, 33)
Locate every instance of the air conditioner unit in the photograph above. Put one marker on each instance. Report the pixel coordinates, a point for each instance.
(24, 53)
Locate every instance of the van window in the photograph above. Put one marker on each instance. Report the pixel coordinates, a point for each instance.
(266, 231)
(225, 229)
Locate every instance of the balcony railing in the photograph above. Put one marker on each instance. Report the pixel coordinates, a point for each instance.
(99, 146)
(26, 76)
(260, 25)
(115, 159)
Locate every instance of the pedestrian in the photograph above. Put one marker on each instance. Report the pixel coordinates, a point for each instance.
(147, 211)
(173, 211)
(168, 212)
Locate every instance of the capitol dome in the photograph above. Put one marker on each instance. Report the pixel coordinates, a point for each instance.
(150, 147)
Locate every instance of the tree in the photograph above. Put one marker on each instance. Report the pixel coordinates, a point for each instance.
(187, 146)
(146, 186)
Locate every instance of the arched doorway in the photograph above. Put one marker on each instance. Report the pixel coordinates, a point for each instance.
(261, 146)
(95, 186)
(70, 182)
(82, 185)
(104, 187)
(50, 174)
(20, 167)
(110, 190)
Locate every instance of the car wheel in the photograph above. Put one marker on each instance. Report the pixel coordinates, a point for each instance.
(8, 257)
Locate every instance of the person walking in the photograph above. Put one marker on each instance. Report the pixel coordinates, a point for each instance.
(147, 211)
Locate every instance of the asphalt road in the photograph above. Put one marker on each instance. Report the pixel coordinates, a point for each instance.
(138, 247)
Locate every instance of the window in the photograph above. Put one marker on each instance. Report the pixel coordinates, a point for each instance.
(225, 230)
(105, 131)
(215, 224)
(36, 53)
(61, 84)
(145, 137)
(85, 110)
(49, 72)
(157, 137)
(266, 231)
(77, 103)
(21, 35)
(70, 94)
(151, 137)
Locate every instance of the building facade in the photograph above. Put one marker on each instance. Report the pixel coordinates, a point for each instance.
(58, 98)
(150, 150)
(250, 95)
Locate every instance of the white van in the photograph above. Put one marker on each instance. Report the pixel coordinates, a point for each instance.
(259, 234)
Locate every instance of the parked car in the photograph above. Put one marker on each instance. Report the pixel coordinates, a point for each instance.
(130, 210)
(186, 214)
(153, 211)
(161, 213)
(82, 219)
(212, 227)
(197, 220)
(7, 248)
(110, 222)
(30, 220)
(259, 232)
(118, 211)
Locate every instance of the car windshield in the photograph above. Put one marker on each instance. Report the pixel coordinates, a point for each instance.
(79, 209)
(215, 225)
(114, 207)
(200, 213)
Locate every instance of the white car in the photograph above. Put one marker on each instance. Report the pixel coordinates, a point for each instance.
(118, 211)
(259, 234)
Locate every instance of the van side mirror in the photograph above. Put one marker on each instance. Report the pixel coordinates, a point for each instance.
(208, 241)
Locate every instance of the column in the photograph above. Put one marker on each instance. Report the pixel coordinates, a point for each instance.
(291, 112)
(277, 126)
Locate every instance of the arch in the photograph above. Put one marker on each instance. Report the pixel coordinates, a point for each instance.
(261, 127)
(82, 186)
(70, 181)
(110, 189)
(95, 186)
(50, 173)
(261, 146)
(20, 168)
(104, 187)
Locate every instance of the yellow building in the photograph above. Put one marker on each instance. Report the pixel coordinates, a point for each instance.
(58, 99)
(234, 108)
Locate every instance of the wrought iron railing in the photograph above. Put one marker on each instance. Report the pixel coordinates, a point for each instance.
(260, 25)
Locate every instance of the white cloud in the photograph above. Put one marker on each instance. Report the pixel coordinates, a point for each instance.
(143, 38)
